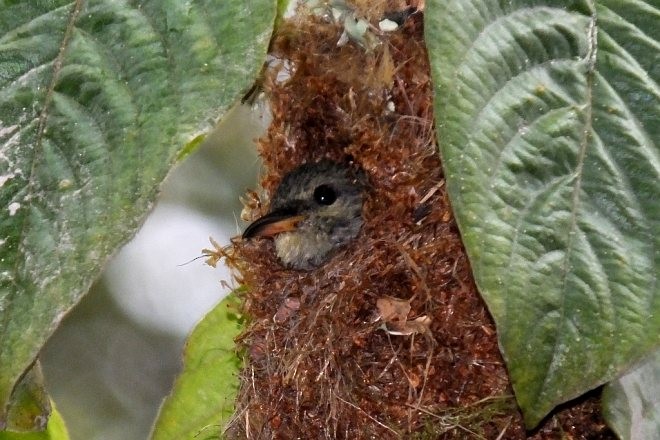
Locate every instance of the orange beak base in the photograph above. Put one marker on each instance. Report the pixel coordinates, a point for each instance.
(272, 224)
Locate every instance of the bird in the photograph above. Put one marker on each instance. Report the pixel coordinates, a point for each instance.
(316, 209)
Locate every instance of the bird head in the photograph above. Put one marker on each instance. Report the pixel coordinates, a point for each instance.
(316, 209)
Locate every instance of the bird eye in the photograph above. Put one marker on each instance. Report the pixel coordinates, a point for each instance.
(325, 195)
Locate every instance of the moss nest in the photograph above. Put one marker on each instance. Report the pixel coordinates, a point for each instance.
(390, 338)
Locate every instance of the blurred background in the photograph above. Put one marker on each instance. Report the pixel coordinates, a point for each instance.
(115, 356)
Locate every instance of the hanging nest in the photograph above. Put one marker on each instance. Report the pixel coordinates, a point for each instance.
(390, 339)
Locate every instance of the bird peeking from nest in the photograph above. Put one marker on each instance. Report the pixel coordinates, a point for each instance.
(316, 209)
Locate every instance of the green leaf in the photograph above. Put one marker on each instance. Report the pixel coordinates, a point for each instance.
(548, 120)
(631, 404)
(96, 99)
(55, 430)
(29, 405)
(202, 400)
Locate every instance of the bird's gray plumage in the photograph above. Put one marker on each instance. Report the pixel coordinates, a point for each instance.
(328, 197)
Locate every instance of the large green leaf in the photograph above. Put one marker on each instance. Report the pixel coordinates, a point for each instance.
(548, 120)
(202, 400)
(96, 99)
(631, 404)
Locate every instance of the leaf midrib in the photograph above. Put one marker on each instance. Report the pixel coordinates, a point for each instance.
(37, 151)
(590, 59)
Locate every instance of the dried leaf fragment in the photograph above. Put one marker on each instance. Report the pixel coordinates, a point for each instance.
(418, 325)
(393, 310)
(252, 206)
(394, 313)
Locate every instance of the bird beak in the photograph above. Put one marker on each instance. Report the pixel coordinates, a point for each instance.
(273, 223)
